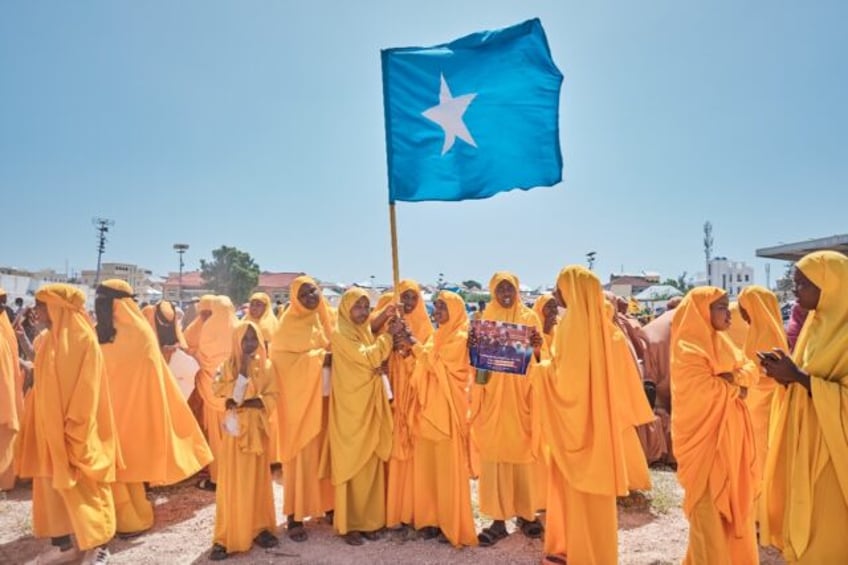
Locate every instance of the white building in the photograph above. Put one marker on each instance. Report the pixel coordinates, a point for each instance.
(731, 276)
(136, 276)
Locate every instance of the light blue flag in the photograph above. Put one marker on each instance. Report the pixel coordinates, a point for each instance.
(473, 117)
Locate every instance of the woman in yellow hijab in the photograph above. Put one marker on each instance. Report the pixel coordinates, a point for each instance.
(300, 352)
(169, 446)
(210, 341)
(548, 312)
(583, 420)
(440, 382)
(713, 437)
(11, 409)
(67, 442)
(360, 426)
(506, 429)
(759, 308)
(244, 499)
(261, 312)
(400, 494)
(806, 477)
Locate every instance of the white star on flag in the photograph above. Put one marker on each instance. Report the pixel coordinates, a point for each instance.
(448, 115)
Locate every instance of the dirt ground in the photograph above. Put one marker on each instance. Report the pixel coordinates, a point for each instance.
(652, 531)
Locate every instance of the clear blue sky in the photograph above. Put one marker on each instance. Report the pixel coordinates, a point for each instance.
(260, 125)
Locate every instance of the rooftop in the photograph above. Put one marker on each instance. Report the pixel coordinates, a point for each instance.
(794, 251)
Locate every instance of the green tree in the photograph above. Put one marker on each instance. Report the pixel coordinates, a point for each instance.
(232, 272)
(472, 285)
(679, 283)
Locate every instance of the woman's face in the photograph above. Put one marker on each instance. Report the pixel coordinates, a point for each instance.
(440, 312)
(505, 294)
(409, 300)
(745, 315)
(360, 310)
(250, 342)
(256, 308)
(42, 315)
(559, 298)
(550, 312)
(720, 314)
(807, 293)
(308, 296)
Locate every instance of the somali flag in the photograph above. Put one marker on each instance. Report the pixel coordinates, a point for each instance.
(473, 117)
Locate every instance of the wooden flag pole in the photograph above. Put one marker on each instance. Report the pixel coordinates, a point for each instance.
(395, 265)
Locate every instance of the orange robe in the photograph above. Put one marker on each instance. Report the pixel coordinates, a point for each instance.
(210, 342)
(169, 447)
(298, 350)
(713, 437)
(765, 332)
(806, 474)
(360, 425)
(506, 429)
(442, 494)
(67, 442)
(10, 413)
(244, 499)
(583, 415)
(400, 499)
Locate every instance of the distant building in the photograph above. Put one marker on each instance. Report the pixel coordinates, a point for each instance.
(136, 276)
(728, 275)
(629, 285)
(276, 285)
(193, 286)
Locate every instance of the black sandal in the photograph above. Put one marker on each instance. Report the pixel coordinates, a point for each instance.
(218, 553)
(442, 537)
(555, 559)
(371, 536)
(296, 531)
(353, 538)
(532, 530)
(266, 540)
(207, 485)
(491, 535)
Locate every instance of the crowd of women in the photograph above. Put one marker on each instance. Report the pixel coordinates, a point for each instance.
(373, 418)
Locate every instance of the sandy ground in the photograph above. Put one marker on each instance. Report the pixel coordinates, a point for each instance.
(651, 532)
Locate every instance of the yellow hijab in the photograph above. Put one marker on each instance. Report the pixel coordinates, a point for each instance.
(360, 417)
(418, 320)
(211, 341)
(297, 354)
(164, 314)
(766, 328)
(808, 430)
(539, 307)
(713, 437)
(581, 397)
(70, 428)
(267, 322)
(738, 330)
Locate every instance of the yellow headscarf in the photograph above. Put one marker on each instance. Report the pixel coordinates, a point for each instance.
(418, 320)
(254, 433)
(713, 437)
(539, 307)
(766, 328)
(267, 322)
(70, 427)
(809, 430)
(166, 315)
(297, 355)
(360, 417)
(738, 331)
(211, 342)
(581, 398)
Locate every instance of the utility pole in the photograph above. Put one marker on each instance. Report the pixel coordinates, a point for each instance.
(590, 258)
(180, 248)
(102, 226)
(708, 248)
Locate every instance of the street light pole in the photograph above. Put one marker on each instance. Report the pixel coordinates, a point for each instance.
(180, 248)
(102, 226)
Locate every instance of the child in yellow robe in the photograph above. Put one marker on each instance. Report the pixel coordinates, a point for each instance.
(442, 377)
(244, 512)
(360, 427)
(711, 426)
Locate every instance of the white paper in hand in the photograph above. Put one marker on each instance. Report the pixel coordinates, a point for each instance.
(326, 374)
(184, 367)
(231, 425)
(387, 386)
